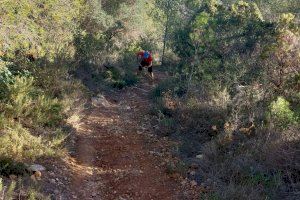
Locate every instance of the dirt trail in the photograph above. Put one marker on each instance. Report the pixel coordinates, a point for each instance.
(117, 153)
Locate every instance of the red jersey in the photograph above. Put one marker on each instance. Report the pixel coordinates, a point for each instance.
(147, 60)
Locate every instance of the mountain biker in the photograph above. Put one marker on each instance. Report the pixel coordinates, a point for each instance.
(145, 60)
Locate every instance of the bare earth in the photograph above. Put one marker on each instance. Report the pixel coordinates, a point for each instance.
(117, 155)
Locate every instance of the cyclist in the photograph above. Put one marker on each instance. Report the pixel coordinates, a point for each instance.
(145, 60)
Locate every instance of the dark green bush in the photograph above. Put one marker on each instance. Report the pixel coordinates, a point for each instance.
(119, 84)
(119, 79)
(130, 79)
(6, 78)
(9, 167)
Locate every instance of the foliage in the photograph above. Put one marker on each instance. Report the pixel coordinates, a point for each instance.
(9, 167)
(119, 79)
(5, 79)
(239, 65)
(23, 102)
(236, 67)
(26, 25)
(13, 190)
(19, 144)
(281, 113)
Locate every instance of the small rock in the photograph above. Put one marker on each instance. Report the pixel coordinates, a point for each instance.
(200, 156)
(100, 100)
(36, 167)
(56, 192)
(94, 194)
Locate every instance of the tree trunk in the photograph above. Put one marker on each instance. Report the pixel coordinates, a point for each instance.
(165, 40)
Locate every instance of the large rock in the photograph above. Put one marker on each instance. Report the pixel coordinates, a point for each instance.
(100, 100)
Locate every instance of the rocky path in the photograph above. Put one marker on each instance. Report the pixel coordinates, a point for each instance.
(117, 155)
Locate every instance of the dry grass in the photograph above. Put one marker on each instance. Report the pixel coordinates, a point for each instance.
(240, 158)
(263, 166)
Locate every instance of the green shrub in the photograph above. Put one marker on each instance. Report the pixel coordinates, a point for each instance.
(47, 111)
(9, 167)
(10, 191)
(17, 143)
(119, 84)
(34, 194)
(116, 78)
(281, 113)
(112, 73)
(26, 103)
(130, 79)
(6, 78)
(54, 81)
(268, 181)
(16, 190)
(18, 101)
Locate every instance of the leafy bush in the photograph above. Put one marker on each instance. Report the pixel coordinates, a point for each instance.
(232, 62)
(119, 84)
(56, 81)
(24, 102)
(281, 113)
(17, 143)
(16, 190)
(119, 79)
(130, 79)
(47, 111)
(112, 74)
(6, 78)
(18, 102)
(9, 167)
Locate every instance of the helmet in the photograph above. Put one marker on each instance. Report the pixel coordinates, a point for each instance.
(146, 54)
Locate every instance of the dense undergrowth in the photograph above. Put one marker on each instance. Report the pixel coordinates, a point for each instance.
(44, 45)
(106, 79)
(233, 102)
(34, 111)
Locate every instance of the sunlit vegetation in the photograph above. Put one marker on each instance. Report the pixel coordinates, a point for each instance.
(232, 98)
(234, 103)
